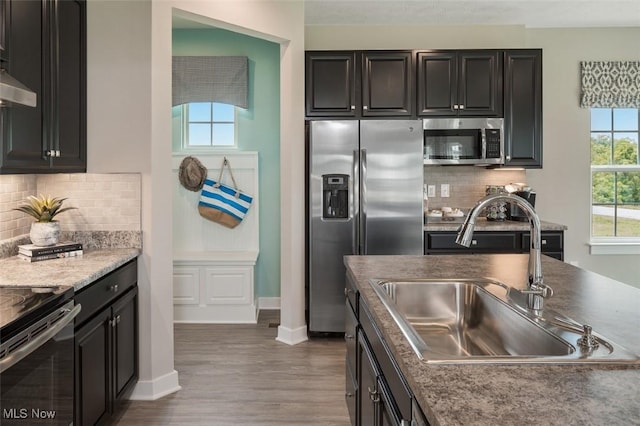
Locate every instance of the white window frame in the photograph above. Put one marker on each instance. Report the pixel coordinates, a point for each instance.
(185, 133)
(611, 245)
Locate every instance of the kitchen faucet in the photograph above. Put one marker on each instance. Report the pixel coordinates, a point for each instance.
(536, 290)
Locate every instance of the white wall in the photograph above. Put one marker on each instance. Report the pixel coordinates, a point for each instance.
(119, 138)
(363, 37)
(563, 185)
(129, 130)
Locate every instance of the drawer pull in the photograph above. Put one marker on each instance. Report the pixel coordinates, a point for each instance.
(474, 242)
(544, 242)
(113, 288)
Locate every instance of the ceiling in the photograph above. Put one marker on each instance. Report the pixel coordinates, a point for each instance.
(530, 13)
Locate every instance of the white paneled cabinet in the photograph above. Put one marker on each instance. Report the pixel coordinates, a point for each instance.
(214, 287)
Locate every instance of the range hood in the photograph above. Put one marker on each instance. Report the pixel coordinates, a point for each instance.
(12, 92)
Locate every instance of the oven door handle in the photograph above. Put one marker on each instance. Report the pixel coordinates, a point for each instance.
(20, 353)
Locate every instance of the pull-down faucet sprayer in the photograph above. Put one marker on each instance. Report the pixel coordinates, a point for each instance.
(536, 290)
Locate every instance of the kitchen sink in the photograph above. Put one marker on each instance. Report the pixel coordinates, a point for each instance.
(480, 321)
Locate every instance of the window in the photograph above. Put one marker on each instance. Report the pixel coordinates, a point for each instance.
(615, 174)
(208, 124)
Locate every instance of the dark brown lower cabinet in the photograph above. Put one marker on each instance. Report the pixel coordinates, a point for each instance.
(369, 397)
(376, 392)
(485, 242)
(106, 346)
(92, 370)
(377, 406)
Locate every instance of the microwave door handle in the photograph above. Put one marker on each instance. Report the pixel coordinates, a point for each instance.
(483, 135)
(39, 340)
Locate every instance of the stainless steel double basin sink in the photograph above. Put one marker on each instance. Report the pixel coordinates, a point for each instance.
(482, 321)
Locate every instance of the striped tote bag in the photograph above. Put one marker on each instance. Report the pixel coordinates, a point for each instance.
(222, 203)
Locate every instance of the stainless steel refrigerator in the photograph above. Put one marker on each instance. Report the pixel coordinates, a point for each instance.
(365, 198)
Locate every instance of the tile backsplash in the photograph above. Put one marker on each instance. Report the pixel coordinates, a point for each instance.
(104, 202)
(466, 183)
(13, 190)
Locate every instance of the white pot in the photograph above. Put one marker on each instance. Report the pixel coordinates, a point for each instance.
(45, 233)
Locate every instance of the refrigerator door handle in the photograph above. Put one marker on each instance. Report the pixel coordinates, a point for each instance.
(363, 202)
(355, 199)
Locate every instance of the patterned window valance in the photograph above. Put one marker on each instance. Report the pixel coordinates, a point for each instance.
(610, 84)
(210, 79)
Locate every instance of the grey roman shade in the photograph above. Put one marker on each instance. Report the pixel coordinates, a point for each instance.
(221, 79)
(610, 84)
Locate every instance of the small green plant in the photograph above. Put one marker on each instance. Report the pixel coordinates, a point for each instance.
(42, 208)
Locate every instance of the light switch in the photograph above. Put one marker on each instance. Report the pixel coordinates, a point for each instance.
(444, 190)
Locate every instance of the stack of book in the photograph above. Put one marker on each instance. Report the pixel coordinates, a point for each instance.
(34, 253)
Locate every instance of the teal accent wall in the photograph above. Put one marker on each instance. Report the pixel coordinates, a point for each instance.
(258, 129)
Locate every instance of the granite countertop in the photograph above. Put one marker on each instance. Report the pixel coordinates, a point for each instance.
(74, 271)
(526, 393)
(482, 224)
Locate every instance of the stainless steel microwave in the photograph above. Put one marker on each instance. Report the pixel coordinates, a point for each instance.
(464, 141)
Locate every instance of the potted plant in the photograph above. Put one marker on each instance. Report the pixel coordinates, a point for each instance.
(45, 231)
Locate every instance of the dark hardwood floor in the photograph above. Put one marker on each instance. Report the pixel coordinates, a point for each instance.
(235, 374)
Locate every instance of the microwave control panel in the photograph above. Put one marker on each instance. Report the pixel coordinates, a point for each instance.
(493, 143)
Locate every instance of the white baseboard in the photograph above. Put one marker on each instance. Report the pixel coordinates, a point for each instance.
(292, 336)
(268, 303)
(150, 390)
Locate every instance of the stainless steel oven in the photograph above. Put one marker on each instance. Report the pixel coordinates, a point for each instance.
(36, 355)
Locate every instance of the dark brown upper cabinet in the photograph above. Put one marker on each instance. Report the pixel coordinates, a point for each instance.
(3, 28)
(387, 84)
(523, 108)
(330, 84)
(354, 84)
(46, 51)
(460, 83)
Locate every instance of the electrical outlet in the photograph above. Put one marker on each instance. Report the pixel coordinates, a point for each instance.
(431, 191)
(444, 190)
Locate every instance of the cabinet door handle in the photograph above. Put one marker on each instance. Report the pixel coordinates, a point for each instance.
(115, 321)
(544, 242)
(353, 107)
(348, 337)
(508, 158)
(455, 106)
(374, 395)
(365, 107)
(348, 395)
(461, 106)
(114, 288)
(474, 242)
